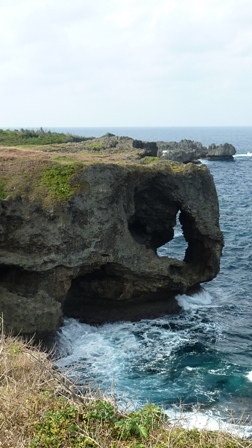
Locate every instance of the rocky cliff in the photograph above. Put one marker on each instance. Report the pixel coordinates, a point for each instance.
(190, 151)
(79, 231)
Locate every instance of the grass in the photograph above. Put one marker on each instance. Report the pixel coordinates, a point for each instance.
(35, 137)
(49, 180)
(2, 189)
(40, 408)
(95, 146)
(57, 178)
(52, 177)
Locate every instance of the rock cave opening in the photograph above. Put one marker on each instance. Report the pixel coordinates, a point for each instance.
(104, 294)
(157, 222)
(4, 271)
(93, 294)
(154, 216)
(177, 247)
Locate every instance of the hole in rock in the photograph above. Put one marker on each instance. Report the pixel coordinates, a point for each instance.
(176, 248)
(154, 217)
(4, 271)
(94, 293)
(106, 295)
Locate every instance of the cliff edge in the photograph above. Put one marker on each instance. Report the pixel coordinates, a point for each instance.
(80, 228)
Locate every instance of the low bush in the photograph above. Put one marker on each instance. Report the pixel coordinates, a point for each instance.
(39, 408)
(35, 137)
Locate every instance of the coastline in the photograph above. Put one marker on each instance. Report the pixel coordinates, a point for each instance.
(40, 407)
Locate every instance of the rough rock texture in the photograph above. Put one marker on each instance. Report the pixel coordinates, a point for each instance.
(190, 151)
(221, 152)
(184, 151)
(94, 255)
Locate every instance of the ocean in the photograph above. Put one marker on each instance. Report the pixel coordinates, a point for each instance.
(197, 365)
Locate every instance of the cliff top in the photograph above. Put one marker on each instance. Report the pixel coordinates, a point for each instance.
(31, 168)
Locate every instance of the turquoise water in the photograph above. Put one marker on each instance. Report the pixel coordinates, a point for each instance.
(200, 359)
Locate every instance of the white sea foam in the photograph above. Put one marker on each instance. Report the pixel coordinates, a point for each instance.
(178, 232)
(249, 376)
(195, 301)
(247, 154)
(205, 161)
(200, 420)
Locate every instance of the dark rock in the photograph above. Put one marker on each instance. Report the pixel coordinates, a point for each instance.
(94, 255)
(191, 151)
(221, 152)
(184, 151)
(138, 144)
(150, 148)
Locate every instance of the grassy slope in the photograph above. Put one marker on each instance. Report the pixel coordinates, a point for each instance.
(39, 408)
(30, 137)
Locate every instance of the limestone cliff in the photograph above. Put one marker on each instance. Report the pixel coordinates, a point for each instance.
(79, 235)
(190, 151)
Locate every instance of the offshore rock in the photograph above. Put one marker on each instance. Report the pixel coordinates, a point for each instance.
(190, 151)
(221, 152)
(184, 151)
(79, 235)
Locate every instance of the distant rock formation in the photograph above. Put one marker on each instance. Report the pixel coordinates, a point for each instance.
(221, 152)
(92, 255)
(184, 151)
(191, 151)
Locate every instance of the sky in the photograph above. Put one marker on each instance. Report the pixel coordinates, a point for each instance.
(125, 63)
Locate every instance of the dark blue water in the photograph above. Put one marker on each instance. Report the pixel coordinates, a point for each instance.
(241, 137)
(202, 358)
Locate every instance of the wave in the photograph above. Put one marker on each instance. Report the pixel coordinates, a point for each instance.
(195, 301)
(247, 154)
(208, 421)
(166, 361)
(249, 376)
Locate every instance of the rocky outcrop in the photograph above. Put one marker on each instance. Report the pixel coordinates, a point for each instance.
(191, 151)
(221, 152)
(184, 151)
(150, 148)
(84, 242)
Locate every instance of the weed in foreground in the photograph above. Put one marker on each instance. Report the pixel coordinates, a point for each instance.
(39, 408)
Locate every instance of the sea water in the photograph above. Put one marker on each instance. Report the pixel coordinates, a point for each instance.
(197, 365)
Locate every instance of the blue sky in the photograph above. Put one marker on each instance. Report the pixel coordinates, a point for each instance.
(125, 63)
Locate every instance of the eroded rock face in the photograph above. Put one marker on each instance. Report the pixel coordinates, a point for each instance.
(190, 151)
(94, 256)
(184, 151)
(221, 152)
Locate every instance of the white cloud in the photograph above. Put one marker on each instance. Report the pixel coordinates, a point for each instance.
(125, 62)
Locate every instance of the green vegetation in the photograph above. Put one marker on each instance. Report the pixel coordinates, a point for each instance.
(39, 137)
(39, 408)
(108, 134)
(149, 159)
(95, 146)
(2, 189)
(57, 178)
(48, 180)
(79, 429)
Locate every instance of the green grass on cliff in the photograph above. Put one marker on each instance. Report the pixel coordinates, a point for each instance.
(50, 174)
(40, 408)
(2, 189)
(47, 180)
(57, 179)
(35, 137)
